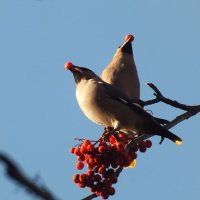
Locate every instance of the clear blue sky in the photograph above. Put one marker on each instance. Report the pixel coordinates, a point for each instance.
(39, 115)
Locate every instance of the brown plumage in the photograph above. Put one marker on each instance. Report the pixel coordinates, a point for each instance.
(106, 105)
(122, 71)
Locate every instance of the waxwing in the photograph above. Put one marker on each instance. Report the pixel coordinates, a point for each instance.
(106, 105)
(122, 72)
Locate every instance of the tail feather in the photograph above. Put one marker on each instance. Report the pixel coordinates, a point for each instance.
(165, 133)
(177, 140)
(153, 127)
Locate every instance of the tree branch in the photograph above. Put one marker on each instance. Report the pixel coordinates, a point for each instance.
(92, 196)
(161, 98)
(13, 172)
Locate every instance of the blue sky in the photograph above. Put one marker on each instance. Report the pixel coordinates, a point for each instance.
(39, 115)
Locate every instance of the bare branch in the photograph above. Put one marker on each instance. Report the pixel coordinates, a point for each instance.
(184, 116)
(13, 172)
(161, 98)
(149, 102)
(92, 196)
(156, 90)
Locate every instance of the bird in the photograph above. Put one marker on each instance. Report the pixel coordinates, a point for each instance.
(108, 106)
(122, 72)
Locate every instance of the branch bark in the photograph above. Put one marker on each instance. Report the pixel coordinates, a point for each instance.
(14, 172)
(161, 98)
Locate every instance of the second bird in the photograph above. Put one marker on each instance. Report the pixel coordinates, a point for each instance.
(122, 71)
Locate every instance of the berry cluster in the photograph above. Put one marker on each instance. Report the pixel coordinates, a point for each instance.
(102, 159)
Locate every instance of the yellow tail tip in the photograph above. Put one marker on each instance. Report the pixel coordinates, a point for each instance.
(178, 142)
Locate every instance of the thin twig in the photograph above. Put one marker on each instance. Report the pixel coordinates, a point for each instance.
(161, 98)
(183, 117)
(156, 90)
(92, 196)
(149, 102)
(13, 172)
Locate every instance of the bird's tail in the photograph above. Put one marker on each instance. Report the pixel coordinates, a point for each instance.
(165, 133)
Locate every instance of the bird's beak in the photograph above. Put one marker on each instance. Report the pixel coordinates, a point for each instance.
(77, 69)
(127, 46)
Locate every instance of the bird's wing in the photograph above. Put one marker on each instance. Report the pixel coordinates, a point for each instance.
(118, 95)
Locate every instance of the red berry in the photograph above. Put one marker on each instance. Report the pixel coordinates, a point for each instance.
(101, 149)
(93, 188)
(106, 161)
(83, 149)
(87, 157)
(91, 166)
(120, 146)
(102, 170)
(108, 148)
(113, 179)
(86, 142)
(81, 185)
(83, 178)
(115, 163)
(90, 147)
(142, 144)
(90, 173)
(109, 173)
(113, 148)
(127, 161)
(148, 143)
(123, 157)
(104, 195)
(91, 160)
(72, 149)
(102, 143)
(112, 139)
(89, 182)
(81, 157)
(111, 191)
(107, 183)
(77, 152)
(133, 155)
(79, 165)
(76, 178)
(98, 193)
(97, 177)
(143, 149)
(135, 148)
(98, 160)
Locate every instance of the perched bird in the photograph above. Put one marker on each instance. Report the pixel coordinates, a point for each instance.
(106, 105)
(122, 71)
